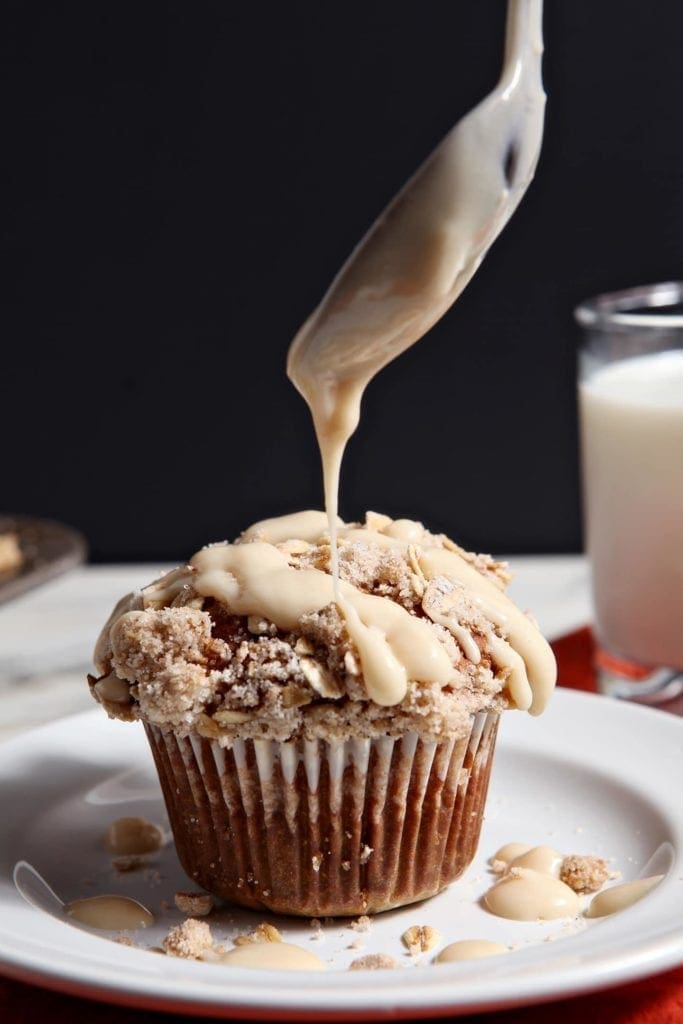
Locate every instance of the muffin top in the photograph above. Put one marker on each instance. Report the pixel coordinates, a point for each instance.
(250, 639)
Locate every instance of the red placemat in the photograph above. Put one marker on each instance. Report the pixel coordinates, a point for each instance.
(656, 1000)
(574, 654)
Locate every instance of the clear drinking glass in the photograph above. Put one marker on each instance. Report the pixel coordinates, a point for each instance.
(631, 417)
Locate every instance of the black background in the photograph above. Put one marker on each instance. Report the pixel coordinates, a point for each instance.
(185, 179)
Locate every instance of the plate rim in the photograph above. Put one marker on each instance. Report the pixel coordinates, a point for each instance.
(210, 1000)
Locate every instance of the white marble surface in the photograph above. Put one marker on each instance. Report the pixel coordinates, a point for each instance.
(47, 635)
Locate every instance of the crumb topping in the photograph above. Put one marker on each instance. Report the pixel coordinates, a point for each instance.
(584, 874)
(182, 661)
(189, 940)
(374, 962)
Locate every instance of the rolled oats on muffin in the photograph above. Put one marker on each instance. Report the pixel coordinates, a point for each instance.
(324, 753)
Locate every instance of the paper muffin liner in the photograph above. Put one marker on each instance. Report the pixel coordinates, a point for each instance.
(326, 828)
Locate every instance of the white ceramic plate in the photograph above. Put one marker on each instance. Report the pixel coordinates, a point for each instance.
(589, 776)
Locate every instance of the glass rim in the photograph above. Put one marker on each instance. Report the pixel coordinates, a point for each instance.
(617, 308)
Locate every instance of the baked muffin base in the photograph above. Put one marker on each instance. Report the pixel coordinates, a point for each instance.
(326, 828)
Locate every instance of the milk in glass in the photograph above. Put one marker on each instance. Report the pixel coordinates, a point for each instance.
(632, 445)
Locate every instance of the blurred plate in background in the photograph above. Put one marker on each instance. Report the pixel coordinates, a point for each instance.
(44, 549)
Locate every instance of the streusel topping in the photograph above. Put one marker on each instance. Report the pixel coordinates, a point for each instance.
(217, 649)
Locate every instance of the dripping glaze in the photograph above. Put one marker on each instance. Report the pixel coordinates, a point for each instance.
(421, 252)
(255, 577)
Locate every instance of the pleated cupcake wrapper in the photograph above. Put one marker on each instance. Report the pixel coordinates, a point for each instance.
(326, 828)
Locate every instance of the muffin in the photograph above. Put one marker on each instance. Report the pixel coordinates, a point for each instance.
(321, 753)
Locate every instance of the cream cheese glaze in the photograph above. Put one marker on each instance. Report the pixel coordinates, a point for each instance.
(423, 249)
(528, 895)
(257, 579)
(253, 577)
(621, 897)
(272, 956)
(110, 913)
(469, 949)
(539, 858)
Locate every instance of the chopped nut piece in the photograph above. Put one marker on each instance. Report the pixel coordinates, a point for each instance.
(257, 625)
(189, 940)
(413, 559)
(362, 924)
(584, 874)
(322, 681)
(268, 933)
(499, 867)
(226, 716)
(421, 938)
(194, 904)
(263, 932)
(316, 861)
(162, 591)
(450, 545)
(111, 688)
(186, 598)
(296, 696)
(303, 646)
(351, 664)
(294, 547)
(365, 854)
(127, 836)
(374, 962)
(346, 865)
(207, 728)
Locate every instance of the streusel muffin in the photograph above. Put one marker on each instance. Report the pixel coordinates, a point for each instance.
(322, 752)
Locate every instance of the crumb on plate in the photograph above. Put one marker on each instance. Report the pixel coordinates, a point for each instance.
(189, 940)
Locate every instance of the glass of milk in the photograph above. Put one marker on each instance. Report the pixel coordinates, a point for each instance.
(631, 417)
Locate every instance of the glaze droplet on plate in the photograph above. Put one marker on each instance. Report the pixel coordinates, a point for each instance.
(469, 949)
(511, 851)
(620, 897)
(273, 956)
(539, 858)
(110, 913)
(526, 895)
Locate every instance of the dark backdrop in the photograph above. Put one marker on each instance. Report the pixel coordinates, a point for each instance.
(186, 178)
